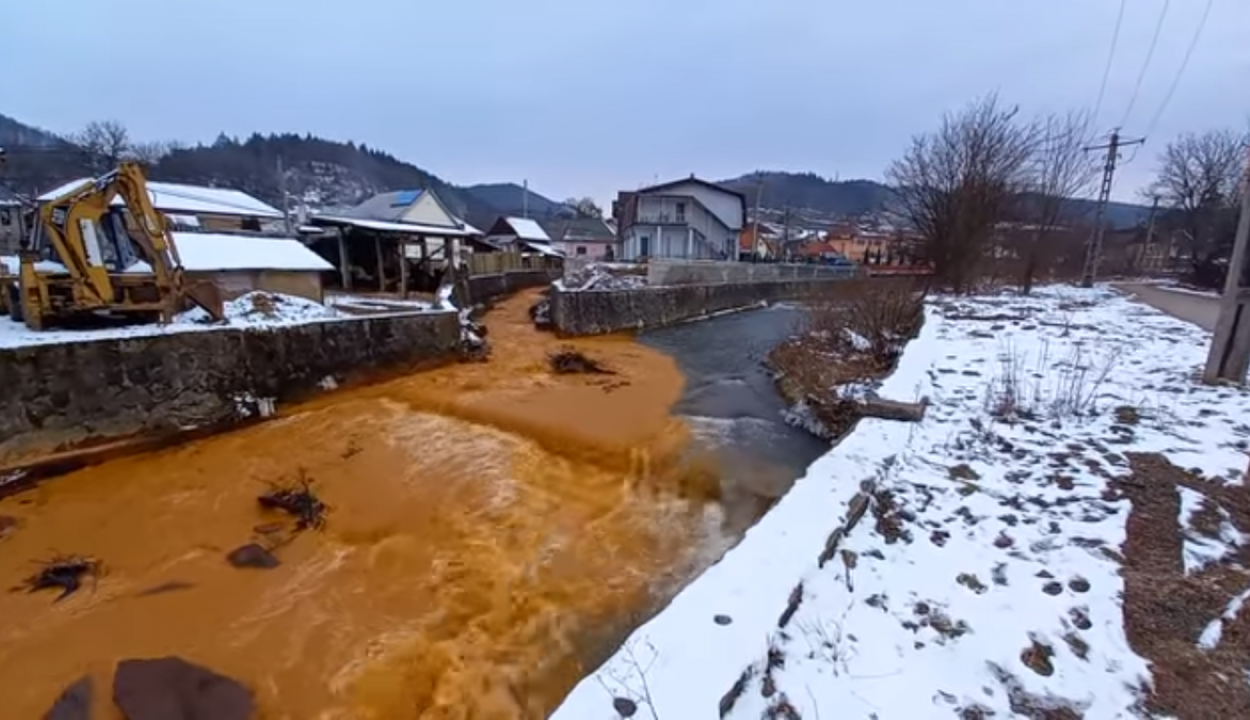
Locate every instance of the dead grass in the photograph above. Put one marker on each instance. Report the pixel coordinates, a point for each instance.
(846, 342)
(1066, 388)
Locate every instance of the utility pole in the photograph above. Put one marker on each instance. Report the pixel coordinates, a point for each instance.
(525, 199)
(1229, 357)
(286, 198)
(785, 235)
(1093, 249)
(1150, 231)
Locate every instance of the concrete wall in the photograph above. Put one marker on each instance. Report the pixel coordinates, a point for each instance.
(694, 272)
(233, 283)
(489, 287)
(595, 312)
(82, 394)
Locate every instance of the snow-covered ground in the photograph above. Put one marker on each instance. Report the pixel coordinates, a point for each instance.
(984, 576)
(602, 276)
(373, 303)
(254, 310)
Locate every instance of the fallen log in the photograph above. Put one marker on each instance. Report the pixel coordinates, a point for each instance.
(891, 409)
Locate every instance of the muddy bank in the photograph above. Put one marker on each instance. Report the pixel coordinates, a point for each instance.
(491, 528)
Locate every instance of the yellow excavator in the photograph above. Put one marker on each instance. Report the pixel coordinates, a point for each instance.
(83, 261)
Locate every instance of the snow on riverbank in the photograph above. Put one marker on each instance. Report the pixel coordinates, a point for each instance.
(255, 310)
(984, 575)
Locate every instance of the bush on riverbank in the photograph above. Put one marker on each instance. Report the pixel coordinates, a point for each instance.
(845, 344)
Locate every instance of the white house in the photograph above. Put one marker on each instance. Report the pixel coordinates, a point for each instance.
(688, 218)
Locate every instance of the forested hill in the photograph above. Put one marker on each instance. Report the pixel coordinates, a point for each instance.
(325, 174)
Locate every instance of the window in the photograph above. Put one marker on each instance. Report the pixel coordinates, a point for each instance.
(681, 212)
(4, 218)
(581, 250)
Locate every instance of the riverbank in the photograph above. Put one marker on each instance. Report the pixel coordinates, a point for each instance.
(1027, 548)
(494, 530)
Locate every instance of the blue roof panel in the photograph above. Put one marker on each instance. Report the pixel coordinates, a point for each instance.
(405, 198)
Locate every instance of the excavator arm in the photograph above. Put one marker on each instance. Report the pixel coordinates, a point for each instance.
(71, 225)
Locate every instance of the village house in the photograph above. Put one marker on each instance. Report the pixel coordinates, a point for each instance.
(759, 243)
(12, 222)
(690, 218)
(219, 234)
(394, 241)
(588, 237)
(239, 264)
(527, 238)
(195, 208)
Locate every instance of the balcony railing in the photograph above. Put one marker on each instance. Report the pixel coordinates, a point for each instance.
(661, 219)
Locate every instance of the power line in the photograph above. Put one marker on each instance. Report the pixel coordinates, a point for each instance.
(1106, 73)
(1189, 52)
(1154, 41)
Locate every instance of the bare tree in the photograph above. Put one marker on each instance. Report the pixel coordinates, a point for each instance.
(1198, 181)
(105, 142)
(585, 207)
(1059, 172)
(954, 185)
(148, 153)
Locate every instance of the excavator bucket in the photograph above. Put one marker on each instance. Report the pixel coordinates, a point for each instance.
(207, 296)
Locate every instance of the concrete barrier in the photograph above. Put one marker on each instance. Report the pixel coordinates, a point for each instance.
(85, 394)
(665, 271)
(595, 312)
(488, 287)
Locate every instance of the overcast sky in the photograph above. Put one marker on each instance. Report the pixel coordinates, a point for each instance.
(593, 96)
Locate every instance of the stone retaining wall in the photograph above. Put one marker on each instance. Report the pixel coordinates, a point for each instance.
(664, 271)
(82, 394)
(489, 287)
(595, 312)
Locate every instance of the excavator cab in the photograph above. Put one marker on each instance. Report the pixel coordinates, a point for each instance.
(84, 260)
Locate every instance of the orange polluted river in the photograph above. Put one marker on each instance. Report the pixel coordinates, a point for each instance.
(494, 531)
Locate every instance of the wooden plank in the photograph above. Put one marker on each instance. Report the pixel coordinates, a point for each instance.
(403, 269)
(377, 247)
(345, 266)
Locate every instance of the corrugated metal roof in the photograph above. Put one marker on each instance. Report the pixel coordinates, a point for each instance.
(384, 226)
(527, 229)
(175, 197)
(581, 229)
(387, 206)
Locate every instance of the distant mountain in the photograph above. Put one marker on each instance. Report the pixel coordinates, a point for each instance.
(850, 198)
(510, 199)
(14, 133)
(777, 190)
(325, 174)
(35, 158)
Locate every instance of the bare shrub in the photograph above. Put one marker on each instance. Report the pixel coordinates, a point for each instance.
(1068, 388)
(1198, 182)
(1059, 171)
(955, 184)
(847, 340)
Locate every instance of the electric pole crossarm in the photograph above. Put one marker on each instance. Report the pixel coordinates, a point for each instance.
(1093, 249)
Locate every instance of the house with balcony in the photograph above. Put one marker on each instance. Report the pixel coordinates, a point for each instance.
(685, 219)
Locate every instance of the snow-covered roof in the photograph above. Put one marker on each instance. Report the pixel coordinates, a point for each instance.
(542, 249)
(384, 226)
(174, 197)
(527, 229)
(218, 251)
(470, 229)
